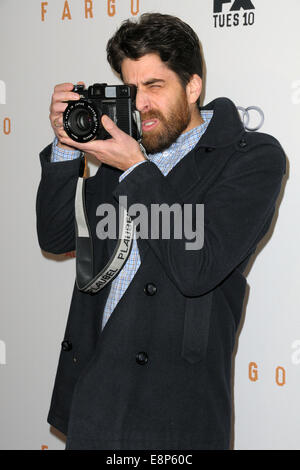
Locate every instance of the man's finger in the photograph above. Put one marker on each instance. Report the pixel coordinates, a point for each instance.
(65, 139)
(58, 122)
(62, 96)
(110, 126)
(57, 108)
(64, 87)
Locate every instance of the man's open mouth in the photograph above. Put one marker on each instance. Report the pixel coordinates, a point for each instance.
(149, 124)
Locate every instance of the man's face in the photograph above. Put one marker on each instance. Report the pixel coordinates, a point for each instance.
(161, 100)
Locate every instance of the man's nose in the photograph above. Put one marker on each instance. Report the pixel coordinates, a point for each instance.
(142, 101)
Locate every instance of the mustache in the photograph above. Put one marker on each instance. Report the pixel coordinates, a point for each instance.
(151, 115)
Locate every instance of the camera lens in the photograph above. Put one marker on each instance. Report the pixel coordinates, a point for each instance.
(81, 121)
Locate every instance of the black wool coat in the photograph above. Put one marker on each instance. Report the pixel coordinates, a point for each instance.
(159, 374)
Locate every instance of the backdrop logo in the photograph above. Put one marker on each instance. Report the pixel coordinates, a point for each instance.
(230, 13)
(2, 353)
(279, 374)
(88, 8)
(252, 117)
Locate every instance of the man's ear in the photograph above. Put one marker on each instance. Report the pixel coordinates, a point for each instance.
(194, 88)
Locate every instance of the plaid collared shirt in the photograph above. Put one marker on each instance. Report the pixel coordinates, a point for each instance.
(165, 161)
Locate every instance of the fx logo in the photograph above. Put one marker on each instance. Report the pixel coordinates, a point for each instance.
(237, 5)
(2, 92)
(240, 14)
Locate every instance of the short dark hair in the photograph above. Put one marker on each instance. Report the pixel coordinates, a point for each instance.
(173, 40)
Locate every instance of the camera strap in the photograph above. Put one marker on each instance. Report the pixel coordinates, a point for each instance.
(85, 280)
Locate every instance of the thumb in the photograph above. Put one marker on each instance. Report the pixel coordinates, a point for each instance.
(110, 126)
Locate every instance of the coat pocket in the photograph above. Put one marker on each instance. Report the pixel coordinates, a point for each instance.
(196, 327)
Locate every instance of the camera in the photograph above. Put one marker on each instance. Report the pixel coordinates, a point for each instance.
(82, 118)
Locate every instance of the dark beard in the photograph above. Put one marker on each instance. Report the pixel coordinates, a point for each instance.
(171, 127)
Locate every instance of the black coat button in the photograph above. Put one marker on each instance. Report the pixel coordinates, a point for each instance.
(150, 289)
(66, 345)
(243, 143)
(209, 149)
(141, 358)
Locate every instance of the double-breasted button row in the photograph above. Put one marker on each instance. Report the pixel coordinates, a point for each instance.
(141, 357)
(150, 289)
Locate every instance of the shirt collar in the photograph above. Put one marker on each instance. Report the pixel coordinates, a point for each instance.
(184, 140)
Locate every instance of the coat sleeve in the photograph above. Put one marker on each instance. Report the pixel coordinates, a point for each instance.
(55, 207)
(238, 211)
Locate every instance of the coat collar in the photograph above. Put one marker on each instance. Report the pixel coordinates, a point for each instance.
(209, 156)
(225, 126)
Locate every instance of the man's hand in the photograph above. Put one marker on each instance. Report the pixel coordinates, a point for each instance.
(121, 151)
(62, 93)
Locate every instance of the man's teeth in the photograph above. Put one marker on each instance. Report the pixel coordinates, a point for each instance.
(149, 123)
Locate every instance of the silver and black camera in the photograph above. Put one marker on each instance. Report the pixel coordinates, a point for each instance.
(82, 118)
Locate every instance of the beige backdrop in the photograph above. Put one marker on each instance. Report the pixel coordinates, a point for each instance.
(252, 57)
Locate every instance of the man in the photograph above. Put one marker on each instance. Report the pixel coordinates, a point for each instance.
(146, 362)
